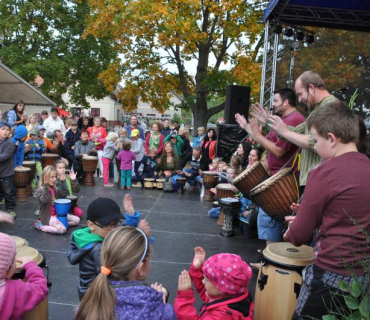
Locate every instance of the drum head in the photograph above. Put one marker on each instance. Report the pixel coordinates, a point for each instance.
(224, 186)
(72, 197)
(29, 252)
(22, 170)
(62, 201)
(160, 180)
(90, 158)
(19, 242)
(286, 254)
(210, 173)
(181, 179)
(50, 155)
(149, 179)
(241, 175)
(29, 162)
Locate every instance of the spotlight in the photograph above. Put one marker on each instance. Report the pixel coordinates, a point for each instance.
(288, 32)
(310, 38)
(278, 29)
(300, 35)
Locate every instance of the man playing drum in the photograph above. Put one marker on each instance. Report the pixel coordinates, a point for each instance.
(83, 148)
(280, 153)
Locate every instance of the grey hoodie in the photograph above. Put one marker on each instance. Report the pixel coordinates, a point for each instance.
(110, 150)
(7, 148)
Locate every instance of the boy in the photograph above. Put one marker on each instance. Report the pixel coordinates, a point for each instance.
(19, 137)
(336, 209)
(103, 215)
(6, 168)
(35, 147)
(150, 166)
(72, 135)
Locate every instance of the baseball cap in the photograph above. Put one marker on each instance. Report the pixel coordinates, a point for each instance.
(41, 127)
(103, 211)
(34, 131)
(135, 133)
(44, 112)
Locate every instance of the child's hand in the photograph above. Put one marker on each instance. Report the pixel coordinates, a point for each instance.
(245, 213)
(199, 257)
(144, 225)
(72, 175)
(159, 288)
(295, 207)
(22, 261)
(184, 281)
(127, 204)
(6, 217)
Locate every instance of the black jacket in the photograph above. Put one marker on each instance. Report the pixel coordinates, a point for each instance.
(195, 165)
(186, 148)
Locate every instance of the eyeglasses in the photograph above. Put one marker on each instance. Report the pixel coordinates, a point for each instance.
(114, 224)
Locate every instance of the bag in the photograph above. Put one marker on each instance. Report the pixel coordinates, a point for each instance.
(168, 185)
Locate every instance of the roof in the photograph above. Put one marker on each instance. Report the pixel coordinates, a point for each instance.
(337, 14)
(13, 88)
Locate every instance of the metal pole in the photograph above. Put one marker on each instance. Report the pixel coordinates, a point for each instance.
(264, 63)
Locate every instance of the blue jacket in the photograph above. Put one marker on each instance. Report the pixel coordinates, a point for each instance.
(198, 141)
(20, 132)
(128, 128)
(72, 137)
(12, 117)
(35, 153)
(166, 131)
(150, 165)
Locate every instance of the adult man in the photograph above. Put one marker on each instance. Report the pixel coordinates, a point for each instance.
(133, 125)
(280, 153)
(44, 116)
(83, 148)
(198, 163)
(62, 148)
(54, 123)
(311, 91)
(176, 126)
(166, 130)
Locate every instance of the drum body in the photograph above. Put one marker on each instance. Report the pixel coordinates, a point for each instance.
(32, 166)
(279, 280)
(160, 183)
(73, 201)
(210, 179)
(48, 159)
(21, 180)
(230, 207)
(181, 184)
(62, 208)
(89, 165)
(224, 190)
(149, 183)
(250, 178)
(20, 242)
(276, 194)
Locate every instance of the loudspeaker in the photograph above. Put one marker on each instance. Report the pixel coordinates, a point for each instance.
(237, 101)
(229, 136)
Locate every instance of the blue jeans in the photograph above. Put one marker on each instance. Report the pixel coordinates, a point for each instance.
(269, 229)
(126, 178)
(192, 180)
(214, 213)
(7, 189)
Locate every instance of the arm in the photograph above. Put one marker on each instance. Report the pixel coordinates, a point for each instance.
(176, 162)
(78, 151)
(196, 276)
(146, 145)
(269, 145)
(103, 133)
(185, 160)
(212, 150)
(12, 117)
(136, 147)
(7, 152)
(166, 139)
(75, 186)
(184, 305)
(49, 145)
(180, 142)
(43, 194)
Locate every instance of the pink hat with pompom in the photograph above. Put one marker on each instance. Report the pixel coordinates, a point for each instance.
(7, 253)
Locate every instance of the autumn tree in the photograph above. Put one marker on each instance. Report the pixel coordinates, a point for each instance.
(157, 39)
(44, 37)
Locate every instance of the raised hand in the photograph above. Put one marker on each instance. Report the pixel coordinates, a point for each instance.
(278, 125)
(127, 204)
(199, 257)
(72, 175)
(144, 225)
(240, 119)
(254, 127)
(159, 288)
(260, 113)
(184, 281)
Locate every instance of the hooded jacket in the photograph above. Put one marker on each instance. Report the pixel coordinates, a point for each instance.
(6, 158)
(135, 300)
(20, 132)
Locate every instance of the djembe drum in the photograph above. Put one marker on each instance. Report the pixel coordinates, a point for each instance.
(20, 242)
(73, 199)
(49, 159)
(223, 190)
(230, 207)
(149, 183)
(181, 185)
(279, 280)
(160, 183)
(21, 180)
(210, 180)
(89, 165)
(32, 166)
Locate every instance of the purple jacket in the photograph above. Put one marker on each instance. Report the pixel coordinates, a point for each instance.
(135, 300)
(126, 157)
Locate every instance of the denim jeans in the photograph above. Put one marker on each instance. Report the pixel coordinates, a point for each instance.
(7, 189)
(214, 213)
(192, 180)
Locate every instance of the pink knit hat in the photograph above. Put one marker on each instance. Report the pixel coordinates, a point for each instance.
(228, 273)
(7, 253)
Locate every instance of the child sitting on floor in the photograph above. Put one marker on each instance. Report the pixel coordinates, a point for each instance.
(214, 164)
(46, 193)
(236, 163)
(221, 283)
(17, 296)
(150, 165)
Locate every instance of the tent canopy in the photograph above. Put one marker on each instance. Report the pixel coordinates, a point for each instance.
(13, 88)
(337, 14)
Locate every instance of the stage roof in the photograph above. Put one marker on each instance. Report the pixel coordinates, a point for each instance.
(337, 14)
(13, 88)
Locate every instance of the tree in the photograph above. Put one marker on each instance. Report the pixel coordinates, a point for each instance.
(156, 39)
(44, 37)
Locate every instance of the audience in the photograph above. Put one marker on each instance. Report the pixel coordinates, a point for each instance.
(54, 123)
(154, 139)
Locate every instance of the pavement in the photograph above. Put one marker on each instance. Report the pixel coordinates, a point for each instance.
(178, 224)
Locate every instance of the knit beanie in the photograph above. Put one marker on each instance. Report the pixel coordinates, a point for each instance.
(20, 132)
(228, 273)
(4, 124)
(7, 253)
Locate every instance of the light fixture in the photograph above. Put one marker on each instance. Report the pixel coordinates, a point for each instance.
(278, 29)
(299, 35)
(288, 32)
(310, 38)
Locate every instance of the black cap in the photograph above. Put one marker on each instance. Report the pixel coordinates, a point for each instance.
(54, 109)
(103, 211)
(44, 112)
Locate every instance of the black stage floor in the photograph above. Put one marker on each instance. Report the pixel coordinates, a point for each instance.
(178, 223)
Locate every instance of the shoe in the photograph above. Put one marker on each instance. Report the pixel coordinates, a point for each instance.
(128, 188)
(137, 185)
(101, 176)
(122, 188)
(37, 213)
(12, 213)
(109, 185)
(38, 225)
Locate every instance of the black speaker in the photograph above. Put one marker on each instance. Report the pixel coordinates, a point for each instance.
(229, 136)
(237, 101)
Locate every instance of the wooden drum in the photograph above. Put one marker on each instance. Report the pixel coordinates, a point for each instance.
(230, 207)
(73, 201)
(32, 166)
(279, 280)
(276, 194)
(21, 180)
(250, 178)
(149, 183)
(89, 164)
(210, 180)
(160, 183)
(48, 159)
(181, 185)
(224, 190)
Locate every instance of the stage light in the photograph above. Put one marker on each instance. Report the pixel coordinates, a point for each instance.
(310, 38)
(278, 29)
(288, 32)
(300, 35)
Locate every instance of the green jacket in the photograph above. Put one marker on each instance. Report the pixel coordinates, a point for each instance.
(178, 146)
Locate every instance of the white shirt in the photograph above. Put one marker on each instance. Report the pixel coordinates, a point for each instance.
(50, 125)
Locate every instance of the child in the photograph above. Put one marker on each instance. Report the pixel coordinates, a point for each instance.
(221, 168)
(335, 209)
(122, 137)
(236, 163)
(109, 152)
(73, 135)
(221, 283)
(6, 168)
(66, 186)
(150, 166)
(214, 165)
(198, 139)
(119, 291)
(35, 151)
(48, 221)
(126, 156)
(20, 135)
(138, 149)
(103, 215)
(17, 296)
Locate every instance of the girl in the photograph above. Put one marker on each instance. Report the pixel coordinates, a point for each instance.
(243, 152)
(109, 152)
(122, 137)
(154, 139)
(221, 282)
(198, 140)
(126, 156)
(15, 116)
(66, 186)
(209, 144)
(31, 123)
(97, 135)
(17, 296)
(119, 291)
(236, 163)
(214, 165)
(48, 221)
(67, 124)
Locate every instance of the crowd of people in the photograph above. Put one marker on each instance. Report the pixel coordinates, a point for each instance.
(332, 216)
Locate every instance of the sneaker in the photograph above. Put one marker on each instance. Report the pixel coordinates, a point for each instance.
(12, 213)
(136, 185)
(128, 188)
(38, 225)
(101, 176)
(37, 213)
(109, 185)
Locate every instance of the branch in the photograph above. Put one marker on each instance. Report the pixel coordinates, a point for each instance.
(214, 110)
(258, 46)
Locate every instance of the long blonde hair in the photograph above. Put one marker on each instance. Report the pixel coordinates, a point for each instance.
(122, 251)
(111, 136)
(45, 175)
